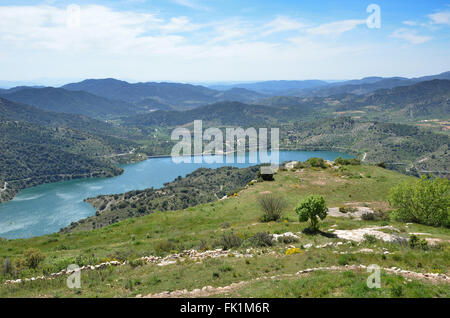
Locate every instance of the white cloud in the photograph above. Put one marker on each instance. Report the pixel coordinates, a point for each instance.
(410, 23)
(191, 4)
(230, 30)
(100, 28)
(180, 24)
(35, 42)
(440, 17)
(282, 24)
(410, 36)
(336, 28)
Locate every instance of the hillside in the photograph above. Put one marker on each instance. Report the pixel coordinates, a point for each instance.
(147, 256)
(20, 112)
(72, 102)
(318, 88)
(176, 95)
(401, 147)
(202, 186)
(366, 85)
(274, 87)
(222, 113)
(39, 147)
(424, 99)
(31, 155)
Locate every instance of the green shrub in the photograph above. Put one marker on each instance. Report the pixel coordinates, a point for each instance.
(136, 262)
(397, 291)
(375, 216)
(425, 201)
(225, 268)
(300, 165)
(225, 225)
(345, 259)
(344, 209)
(416, 242)
(287, 239)
(31, 258)
(368, 217)
(272, 207)
(162, 247)
(316, 163)
(261, 239)
(8, 267)
(312, 208)
(345, 162)
(155, 280)
(230, 240)
(129, 284)
(203, 245)
(370, 239)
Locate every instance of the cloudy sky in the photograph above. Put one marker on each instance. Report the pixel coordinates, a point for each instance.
(221, 40)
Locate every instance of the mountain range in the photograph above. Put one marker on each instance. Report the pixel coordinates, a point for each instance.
(66, 101)
(308, 88)
(111, 98)
(422, 99)
(161, 95)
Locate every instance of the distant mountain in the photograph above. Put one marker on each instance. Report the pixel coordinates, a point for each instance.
(365, 85)
(274, 87)
(222, 113)
(238, 94)
(153, 104)
(422, 99)
(12, 111)
(160, 95)
(66, 101)
(406, 102)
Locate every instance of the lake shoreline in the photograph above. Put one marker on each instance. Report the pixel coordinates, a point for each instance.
(49, 207)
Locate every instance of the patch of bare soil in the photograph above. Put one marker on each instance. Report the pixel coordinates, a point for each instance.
(360, 211)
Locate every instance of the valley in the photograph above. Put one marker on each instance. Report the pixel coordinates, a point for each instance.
(86, 178)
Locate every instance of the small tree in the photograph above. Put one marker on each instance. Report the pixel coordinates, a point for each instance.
(312, 208)
(426, 201)
(32, 257)
(272, 206)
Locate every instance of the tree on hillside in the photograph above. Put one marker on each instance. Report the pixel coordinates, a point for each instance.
(312, 208)
(425, 201)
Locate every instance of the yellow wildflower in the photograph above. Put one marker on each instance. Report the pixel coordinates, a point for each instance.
(292, 251)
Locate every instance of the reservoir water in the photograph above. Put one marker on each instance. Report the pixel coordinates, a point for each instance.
(47, 208)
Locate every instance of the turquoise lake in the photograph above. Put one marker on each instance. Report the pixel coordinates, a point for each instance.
(49, 207)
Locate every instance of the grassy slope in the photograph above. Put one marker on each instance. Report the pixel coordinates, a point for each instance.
(188, 227)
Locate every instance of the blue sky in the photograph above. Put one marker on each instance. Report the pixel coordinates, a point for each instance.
(220, 40)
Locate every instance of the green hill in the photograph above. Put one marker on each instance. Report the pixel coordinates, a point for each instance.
(401, 147)
(321, 266)
(72, 102)
(39, 147)
(31, 155)
(201, 186)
